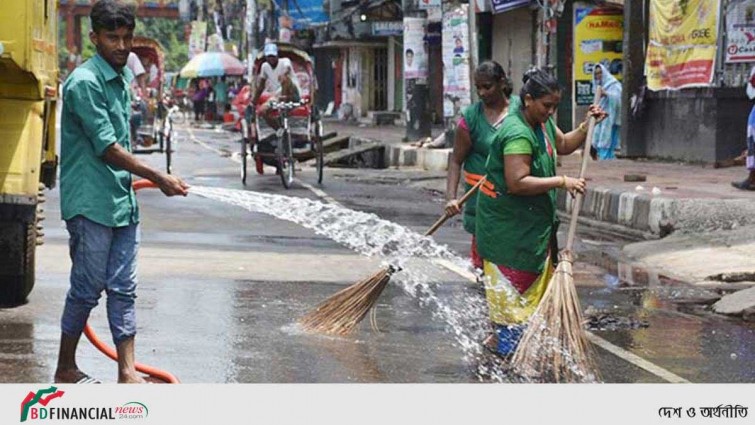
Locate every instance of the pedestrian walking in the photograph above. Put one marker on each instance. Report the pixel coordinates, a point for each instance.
(607, 135)
(199, 99)
(98, 203)
(474, 135)
(749, 182)
(516, 209)
(221, 97)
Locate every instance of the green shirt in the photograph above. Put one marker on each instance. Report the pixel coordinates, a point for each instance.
(96, 110)
(481, 134)
(221, 92)
(513, 230)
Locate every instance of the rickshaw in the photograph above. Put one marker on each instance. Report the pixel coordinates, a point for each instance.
(300, 133)
(155, 133)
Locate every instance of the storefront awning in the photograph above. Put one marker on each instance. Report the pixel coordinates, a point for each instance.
(500, 6)
(350, 43)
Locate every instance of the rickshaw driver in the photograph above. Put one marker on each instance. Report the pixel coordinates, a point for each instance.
(277, 81)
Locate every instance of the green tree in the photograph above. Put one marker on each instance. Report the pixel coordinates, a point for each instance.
(169, 32)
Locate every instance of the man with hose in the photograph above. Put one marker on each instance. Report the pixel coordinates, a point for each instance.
(97, 199)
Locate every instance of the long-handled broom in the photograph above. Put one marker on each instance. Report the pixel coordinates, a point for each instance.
(554, 347)
(343, 311)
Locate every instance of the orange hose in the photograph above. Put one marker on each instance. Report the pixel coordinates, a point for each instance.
(153, 372)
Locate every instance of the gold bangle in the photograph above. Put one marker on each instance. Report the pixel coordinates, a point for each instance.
(582, 127)
(563, 181)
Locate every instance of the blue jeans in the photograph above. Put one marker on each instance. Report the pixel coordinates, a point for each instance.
(104, 258)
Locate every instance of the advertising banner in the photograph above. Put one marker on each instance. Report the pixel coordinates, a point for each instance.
(198, 38)
(415, 57)
(455, 49)
(683, 43)
(598, 35)
(306, 13)
(740, 31)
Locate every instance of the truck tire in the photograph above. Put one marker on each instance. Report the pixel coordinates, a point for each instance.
(18, 238)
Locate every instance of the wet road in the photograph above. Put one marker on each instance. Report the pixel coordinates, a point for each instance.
(221, 289)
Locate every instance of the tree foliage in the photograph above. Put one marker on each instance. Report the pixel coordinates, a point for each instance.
(169, 32)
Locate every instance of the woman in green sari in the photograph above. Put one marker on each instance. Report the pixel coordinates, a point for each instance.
(516, 213)
(475, 132)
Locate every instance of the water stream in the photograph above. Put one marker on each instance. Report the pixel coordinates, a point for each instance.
(464, 315)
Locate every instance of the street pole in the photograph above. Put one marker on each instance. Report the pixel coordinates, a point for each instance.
(416, 91)
(635, 30)
(474, 54)
(251, 38)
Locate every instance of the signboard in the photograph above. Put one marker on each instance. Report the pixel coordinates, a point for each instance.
(388, 28)
(683, 43)
(307, 13)
(598, 35)
(740, 31)
(500, 6)
(198, 38)
(415, 57)
(456, 78)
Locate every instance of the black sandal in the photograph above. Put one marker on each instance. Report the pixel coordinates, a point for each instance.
(743, 185)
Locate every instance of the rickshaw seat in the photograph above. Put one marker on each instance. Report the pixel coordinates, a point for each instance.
(300, 112)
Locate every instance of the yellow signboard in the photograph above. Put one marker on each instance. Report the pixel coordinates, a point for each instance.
(683, 43)
(598, 35)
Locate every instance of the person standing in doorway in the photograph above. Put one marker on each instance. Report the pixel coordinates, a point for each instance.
(606, 138)
(474, 135)
(749, 182)
(97, 200)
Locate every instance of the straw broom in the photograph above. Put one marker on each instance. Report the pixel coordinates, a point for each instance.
(554, 347)
(343, 311)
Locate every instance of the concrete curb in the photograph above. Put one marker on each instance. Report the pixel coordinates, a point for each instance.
(427, 159)
(656, 216)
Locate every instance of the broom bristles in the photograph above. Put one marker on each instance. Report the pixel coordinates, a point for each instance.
(342, 312)
(554, 346)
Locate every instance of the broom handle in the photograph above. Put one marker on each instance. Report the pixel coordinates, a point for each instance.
(462, 200)
(577, 204)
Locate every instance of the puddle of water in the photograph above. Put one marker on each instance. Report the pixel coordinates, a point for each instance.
(464, 315)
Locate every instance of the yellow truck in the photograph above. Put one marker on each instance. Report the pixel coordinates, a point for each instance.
(28, 160)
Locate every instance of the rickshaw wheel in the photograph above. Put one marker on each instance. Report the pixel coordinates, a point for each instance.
(286, 161)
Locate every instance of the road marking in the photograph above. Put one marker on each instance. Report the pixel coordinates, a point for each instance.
(205, 145)
(466, 274)
(320, 193)
(636, 360)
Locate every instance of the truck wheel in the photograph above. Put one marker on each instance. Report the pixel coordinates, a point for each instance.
(18, 238)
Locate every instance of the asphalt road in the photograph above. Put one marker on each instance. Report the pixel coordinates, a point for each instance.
(222, 287)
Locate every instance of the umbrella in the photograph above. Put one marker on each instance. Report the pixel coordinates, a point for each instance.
(212, 64)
